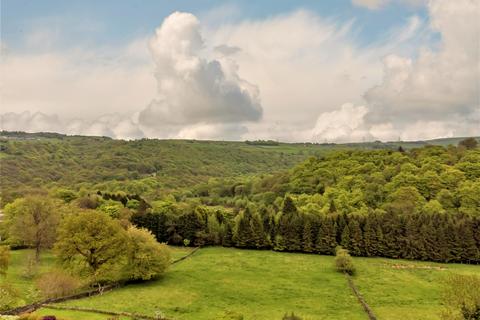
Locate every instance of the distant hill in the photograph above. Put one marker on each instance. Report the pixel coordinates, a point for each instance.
(33, 160)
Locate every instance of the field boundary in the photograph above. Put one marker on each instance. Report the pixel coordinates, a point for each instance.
(106, 312)
(186, 256)
(37, 305)
(360, 298)
(34, 306)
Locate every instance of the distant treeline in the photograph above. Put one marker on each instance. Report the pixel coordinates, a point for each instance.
(262, 143)
(434, 237)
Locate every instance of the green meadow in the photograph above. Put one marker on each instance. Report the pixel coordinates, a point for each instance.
(225, 283)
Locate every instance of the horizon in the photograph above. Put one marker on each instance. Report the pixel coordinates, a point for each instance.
(240, 141)
(330, 72)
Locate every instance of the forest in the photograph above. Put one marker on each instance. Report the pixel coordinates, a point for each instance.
(110, 211)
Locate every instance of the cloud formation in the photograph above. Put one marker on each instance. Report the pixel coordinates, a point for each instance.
(193, 90)
(308, 80)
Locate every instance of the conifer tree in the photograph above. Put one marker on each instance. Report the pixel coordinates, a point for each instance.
(307, 237)
(327, 236)
(356, 240)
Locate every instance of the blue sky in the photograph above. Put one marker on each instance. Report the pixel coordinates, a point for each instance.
(335, 71)
(91, 22)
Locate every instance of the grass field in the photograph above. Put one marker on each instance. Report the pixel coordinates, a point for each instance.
(222, 283)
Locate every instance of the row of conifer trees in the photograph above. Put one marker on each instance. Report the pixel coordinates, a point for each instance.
(434, 237)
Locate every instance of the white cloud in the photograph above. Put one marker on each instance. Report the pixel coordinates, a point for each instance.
(191, 88)
(76, 83)
(300, 66)
(343, 125)
(370, 4)
(302, 63)
(438, 83)
(435, 94)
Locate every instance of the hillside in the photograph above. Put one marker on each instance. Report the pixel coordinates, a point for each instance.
(147, 166)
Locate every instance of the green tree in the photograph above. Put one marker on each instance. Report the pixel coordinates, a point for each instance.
(33, 221)
(92, 244)
(327, 234)
(469, 143)
(147, 258)
(405, 200)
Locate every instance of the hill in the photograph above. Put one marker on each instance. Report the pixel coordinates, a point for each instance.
(149, 166)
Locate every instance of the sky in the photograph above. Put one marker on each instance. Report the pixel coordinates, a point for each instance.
(294, 71)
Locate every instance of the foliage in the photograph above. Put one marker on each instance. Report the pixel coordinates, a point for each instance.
(291, 316)
(32, 221)
(343, 261)
(469, 143)
(147, 258)
(4, 259)
(461, 298)
(92, 244)
(57, 283)
(9, 296)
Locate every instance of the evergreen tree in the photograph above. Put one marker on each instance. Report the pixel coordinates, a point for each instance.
(244, 236)
(258, 234)
(227, 240)
(356, 239)
(327, 236)
(308, 244)
(370, 239)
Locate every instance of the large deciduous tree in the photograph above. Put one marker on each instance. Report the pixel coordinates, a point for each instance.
(33, 221)
(92, 243)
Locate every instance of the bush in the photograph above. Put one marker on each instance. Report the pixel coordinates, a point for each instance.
(291, 316)
(10, 296)
(56, 284)
(461, 298)
(4, 259)
(343, 261)
(147, 259)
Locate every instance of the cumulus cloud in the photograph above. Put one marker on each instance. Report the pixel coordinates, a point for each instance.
(308, 80)
(343, 125)
(433, 95)
(193, 90)
(440, 83)
(302, 63)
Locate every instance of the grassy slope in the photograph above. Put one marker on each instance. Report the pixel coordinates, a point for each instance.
(26, 286)
(221, 283)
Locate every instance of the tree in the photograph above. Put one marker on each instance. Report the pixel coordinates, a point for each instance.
(405, 200)
(356, 242)
(244, 235)
(33, 221)
(469, 143)
(92, 243)
(147, 259)
(308, 244)
(327, 236)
